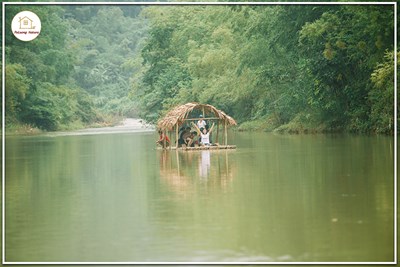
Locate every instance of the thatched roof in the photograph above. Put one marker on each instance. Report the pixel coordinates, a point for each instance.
(177, 115)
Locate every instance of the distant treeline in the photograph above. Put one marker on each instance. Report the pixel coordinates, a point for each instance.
(78, 70)
(285, 67)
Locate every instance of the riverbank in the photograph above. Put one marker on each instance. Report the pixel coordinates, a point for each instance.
(22, 129)
(126, 125)
(301, 124)
(109, 126)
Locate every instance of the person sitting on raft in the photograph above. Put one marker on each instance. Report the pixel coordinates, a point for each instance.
(184, 135)
(189, 141)
(163, 137)
(205, 135)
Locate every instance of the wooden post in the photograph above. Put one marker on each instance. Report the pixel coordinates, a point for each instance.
(223, 136)
(226, 133)
(176, 135)
(170, 142)
(217, 131)
(203, 113)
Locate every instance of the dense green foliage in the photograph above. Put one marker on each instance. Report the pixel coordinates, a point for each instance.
(77, 70)
(107, 42)
(292, 67)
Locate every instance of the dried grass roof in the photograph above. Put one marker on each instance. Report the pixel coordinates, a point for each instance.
(177, 115)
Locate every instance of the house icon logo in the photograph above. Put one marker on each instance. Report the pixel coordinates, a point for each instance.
(26, 26)
(26, 23)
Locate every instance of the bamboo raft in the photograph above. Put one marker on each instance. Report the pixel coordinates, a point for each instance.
(217, 147)
(207, 147)
(191, 112)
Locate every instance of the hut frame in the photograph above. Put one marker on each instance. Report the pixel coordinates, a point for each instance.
(179, 115)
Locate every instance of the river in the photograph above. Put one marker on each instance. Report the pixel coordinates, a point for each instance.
(110, 196)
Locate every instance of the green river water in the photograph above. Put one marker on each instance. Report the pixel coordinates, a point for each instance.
(276, 198)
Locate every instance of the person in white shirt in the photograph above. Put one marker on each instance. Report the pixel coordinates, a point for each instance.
(204, 134)
(201, 123)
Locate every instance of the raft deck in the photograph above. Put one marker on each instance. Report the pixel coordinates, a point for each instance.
(202, 147)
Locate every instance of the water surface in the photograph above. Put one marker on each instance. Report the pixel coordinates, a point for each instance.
(113, 197)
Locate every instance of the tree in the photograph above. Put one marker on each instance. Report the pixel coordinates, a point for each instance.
(39, 89)
(382, 94)
(342, 47)
(16, 88)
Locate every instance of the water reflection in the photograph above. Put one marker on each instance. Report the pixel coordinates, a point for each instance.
(204, 164)
(170, 173)
(183, 170)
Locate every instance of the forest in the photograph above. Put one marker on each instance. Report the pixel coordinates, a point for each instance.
(284, 68)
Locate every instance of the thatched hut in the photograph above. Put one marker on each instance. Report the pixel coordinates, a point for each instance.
(186, 113)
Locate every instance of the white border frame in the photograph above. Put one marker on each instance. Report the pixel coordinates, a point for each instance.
(199, 3)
